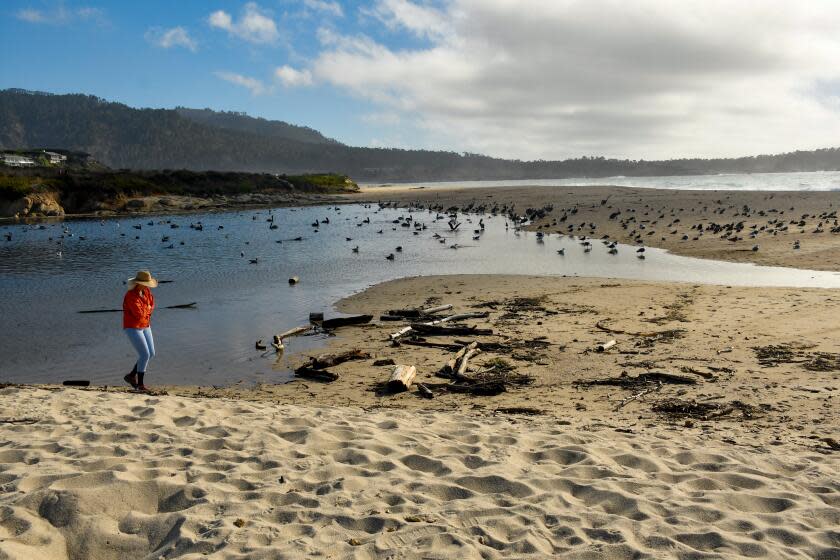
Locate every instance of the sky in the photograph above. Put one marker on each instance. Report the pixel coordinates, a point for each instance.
(522, 79)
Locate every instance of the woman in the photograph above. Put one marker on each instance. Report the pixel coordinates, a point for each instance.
(138, 305)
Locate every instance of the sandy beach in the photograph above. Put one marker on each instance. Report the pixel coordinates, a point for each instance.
(745, 463)
(667, 218)
(110, 476)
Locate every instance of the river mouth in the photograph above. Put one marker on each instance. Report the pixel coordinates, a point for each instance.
(49, 272)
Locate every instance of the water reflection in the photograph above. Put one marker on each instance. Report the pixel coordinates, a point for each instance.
(49, 273)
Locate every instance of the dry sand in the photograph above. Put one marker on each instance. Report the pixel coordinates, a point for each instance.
(657, 210)
(337, 470)
(112, 476)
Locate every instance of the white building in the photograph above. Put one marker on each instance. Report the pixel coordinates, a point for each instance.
(55, 158)
(14, 160)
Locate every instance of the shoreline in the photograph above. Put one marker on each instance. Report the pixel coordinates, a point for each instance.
(684, 211)
(740, 459)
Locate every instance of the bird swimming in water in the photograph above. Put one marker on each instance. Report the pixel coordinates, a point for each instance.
(390, 257)
(356, 249)
(399, 249)
(561, 251)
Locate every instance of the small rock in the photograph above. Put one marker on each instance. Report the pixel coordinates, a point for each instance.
(355, 542)
(239, 523)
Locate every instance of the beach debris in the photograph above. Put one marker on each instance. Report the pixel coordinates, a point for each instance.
(25, 420)
(316, 317)
(324, 361)
(453, 364)
(190, 305)
(457, 317)
(519, 410)
(402, 377)
(640, 381)
(440, 330)
(385, 362)
(424, 391)
(336, 322)
(259, 345)
(637, 396)
(678, 408)
(239, 523)
(76, 383)
(603, 347)
(316, 374)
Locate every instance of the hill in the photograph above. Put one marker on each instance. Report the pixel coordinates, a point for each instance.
(120, 136)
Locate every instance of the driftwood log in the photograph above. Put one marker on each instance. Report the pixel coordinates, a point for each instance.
(346, 321)
(440, 330)
(605, 346)
(457, 317)
(452, 365)
(329, 360)
(316, 374)
(402, 377)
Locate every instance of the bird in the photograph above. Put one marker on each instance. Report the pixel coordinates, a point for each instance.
(349, 238)
(755, 248)
(561, 251)
(390, 257)
(356, 249)
(399, 249)
(254, 261)
(640, 250)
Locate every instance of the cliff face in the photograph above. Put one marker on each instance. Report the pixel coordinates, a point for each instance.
(33, 205)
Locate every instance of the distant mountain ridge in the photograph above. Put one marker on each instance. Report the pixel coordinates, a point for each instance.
(241, 122)
(202, 139)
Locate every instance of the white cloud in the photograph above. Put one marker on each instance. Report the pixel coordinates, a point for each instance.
(563, 78)
(169, 38)
(423, 21)
(290, 77)
(255, 86)
(327, 7)
(254, 24)
(59, 14)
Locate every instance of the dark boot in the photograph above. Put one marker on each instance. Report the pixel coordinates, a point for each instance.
(140, 386)
(131, 378)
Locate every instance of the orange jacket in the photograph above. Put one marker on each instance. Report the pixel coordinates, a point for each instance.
(137, 308)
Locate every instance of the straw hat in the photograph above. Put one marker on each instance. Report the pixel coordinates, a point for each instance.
(144, 278)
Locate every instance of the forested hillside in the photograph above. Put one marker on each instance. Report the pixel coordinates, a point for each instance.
(200, 139)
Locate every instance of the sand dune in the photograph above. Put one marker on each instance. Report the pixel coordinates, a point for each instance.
(115, 475)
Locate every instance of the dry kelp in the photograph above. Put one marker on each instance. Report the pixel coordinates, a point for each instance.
(679, 408)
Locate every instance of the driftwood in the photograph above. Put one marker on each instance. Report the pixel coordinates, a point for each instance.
(76, 383)
(425, 391)
(452, 365)
(439, 330)
(316, 374)
(426, 344)
(640, 380)
(462, 366)
(599, 325)
(638, 395)
(324, 361)
(180, 306)
(346, 321)
(183, 306)
(605, 346)
(457, 317)
(438, 309)
(277, 342)
(402, 377)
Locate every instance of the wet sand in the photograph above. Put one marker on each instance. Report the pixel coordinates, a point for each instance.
(658, 211)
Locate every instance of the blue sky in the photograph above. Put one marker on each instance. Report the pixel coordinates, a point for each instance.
(535, 79)
(112, 50)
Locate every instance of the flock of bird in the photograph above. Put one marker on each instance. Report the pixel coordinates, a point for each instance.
(637, 225)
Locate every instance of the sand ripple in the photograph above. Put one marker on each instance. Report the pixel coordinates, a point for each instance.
(113, 476)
